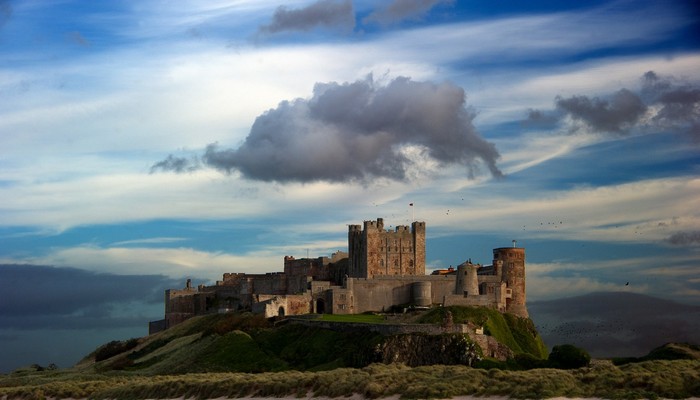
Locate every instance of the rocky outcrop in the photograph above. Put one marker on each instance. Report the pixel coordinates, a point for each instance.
(420, 349)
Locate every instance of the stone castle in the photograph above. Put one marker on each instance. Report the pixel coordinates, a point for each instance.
(382, 270)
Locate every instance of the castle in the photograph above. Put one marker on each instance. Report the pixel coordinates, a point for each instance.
(382, 269)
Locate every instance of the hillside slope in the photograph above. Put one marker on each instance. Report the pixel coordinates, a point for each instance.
(250, 343)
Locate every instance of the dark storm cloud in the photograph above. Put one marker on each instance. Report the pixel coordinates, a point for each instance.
(685, 238)
(615, 115)
(359, 131)
(400, 10)
(615, 324)
(177, 164)
(661, 104)
(334, 14)
(37, 297)
(679, 102)
(541, 118)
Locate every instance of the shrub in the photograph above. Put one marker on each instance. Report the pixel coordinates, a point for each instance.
(528, 361)
(113, 348)
(568, 356)
(490, 363)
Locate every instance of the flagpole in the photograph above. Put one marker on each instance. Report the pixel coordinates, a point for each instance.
(413, 213)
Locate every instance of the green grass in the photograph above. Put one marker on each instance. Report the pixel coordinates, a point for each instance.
(364, 318)
(519, 334)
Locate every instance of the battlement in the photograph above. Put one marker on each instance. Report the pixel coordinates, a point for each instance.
(374, 225)
(377, 252)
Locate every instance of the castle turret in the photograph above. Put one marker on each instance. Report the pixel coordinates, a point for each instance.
(467, 282)
(512, 260)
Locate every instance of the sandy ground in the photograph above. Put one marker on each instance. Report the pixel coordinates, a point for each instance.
(359, 397)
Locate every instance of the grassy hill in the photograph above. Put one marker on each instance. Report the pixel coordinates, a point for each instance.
(234, 343)
(250, 343)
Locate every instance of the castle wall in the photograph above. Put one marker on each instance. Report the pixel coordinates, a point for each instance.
(278, 306)
(381, 293)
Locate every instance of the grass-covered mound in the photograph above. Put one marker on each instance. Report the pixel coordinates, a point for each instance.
(676, 379)
(251, 343)
(235, 343)
(519, 334)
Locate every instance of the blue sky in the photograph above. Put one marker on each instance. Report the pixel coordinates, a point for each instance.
(165, 141)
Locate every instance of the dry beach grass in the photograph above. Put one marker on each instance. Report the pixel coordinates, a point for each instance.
(650, 379)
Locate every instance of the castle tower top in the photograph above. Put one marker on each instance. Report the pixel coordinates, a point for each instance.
(377, 252)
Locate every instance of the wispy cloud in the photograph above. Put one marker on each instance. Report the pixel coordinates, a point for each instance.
(157, 240)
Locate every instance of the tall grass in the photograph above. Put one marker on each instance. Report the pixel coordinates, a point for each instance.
(651, 379)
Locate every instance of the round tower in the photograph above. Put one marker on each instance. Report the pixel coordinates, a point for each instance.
(467, 283)
(422, 294)
(512, 260)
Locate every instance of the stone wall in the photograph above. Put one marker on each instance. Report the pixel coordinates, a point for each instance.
(381, 293)
(279, 306)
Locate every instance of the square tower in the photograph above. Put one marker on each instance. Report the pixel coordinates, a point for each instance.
(374, 251)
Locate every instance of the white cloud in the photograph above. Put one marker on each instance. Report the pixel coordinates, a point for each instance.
(172, 262)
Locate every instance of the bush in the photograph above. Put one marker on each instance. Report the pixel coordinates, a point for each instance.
(528, 361)
(568, 356)
(490, 363)
(113, 348)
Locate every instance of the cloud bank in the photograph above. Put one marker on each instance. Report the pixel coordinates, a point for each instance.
(356, 131)
(43, 297)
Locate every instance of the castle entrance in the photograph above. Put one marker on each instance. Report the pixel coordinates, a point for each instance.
(320, 306)
(280, 312)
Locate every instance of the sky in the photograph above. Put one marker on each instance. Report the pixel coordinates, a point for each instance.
(143, 143)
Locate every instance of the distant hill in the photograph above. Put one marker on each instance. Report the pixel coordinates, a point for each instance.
(615, 324)
(669, 351)
(251, 343)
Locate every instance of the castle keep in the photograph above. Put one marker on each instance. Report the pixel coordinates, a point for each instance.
(382, 269)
